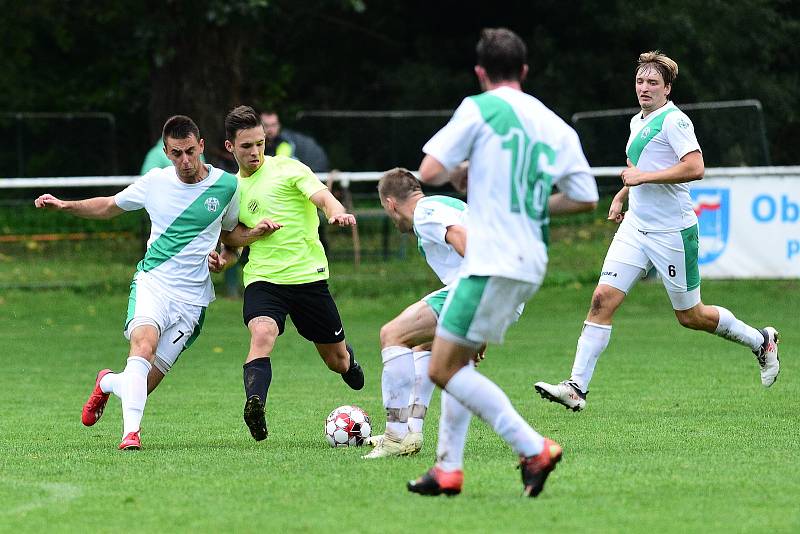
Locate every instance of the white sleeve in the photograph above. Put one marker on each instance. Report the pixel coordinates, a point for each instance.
(680, 134)
(231, 217)
(452, 144)
(574, 176)
(134, 196)
(431, 221)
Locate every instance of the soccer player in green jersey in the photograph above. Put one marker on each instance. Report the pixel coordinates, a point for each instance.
(659, 231)
(287, 271)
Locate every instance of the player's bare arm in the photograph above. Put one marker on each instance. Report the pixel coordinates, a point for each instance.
(432, 172)
(90, 208)
(332, 208)
(615, 212)
(560, 204)
(457, 237)
(242, 236)
(688, 169)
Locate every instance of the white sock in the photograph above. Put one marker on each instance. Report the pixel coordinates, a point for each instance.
(453, 427)
(133, 393)
(482, 397)
(110, 382)
(397, 383)
(593, 341)
(423, 391)
(731, 328)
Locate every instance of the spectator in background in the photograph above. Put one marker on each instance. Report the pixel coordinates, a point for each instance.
(285, 142)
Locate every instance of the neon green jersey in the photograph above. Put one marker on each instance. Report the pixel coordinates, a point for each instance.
(280, 190)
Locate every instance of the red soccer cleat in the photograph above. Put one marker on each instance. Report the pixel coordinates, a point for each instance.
(536, 468)
(93, 409)
(131, 442)
(437, 481)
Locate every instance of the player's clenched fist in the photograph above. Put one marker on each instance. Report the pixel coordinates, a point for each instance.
(49, 201)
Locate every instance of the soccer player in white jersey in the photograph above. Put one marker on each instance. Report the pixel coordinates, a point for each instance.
(658, 230)
(439, 223)
(517, 149)
(188, 204)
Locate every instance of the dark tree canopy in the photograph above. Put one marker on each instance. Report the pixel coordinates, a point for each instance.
(145, 61)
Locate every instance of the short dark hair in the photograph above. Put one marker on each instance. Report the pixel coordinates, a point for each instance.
(179, 127)
(502, 54)
(399, 184)
(240, 118)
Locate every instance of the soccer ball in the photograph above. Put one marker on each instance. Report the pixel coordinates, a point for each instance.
(347, 426)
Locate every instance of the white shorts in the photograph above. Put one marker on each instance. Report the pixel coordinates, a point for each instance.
(480, 309)
(178, 323)
(673, 254)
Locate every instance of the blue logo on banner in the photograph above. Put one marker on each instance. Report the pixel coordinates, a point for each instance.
(712, 207)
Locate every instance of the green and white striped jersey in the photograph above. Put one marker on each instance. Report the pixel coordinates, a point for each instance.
(432, 217)
(517, 150)
(657, 142)
(185, 220)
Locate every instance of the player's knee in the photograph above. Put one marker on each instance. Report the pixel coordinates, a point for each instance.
(263, 334)
(390, 335)
(689, 319)
(438, 373)
(602, 302)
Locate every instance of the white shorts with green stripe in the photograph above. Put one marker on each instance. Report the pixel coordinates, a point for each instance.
(178, 323)
(479, 309)
(673, 254)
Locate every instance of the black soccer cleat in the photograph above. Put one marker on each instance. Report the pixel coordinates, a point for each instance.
(354, 376)
(535, 469)
(254, 418)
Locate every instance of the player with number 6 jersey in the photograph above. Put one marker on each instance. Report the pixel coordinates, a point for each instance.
(659, 231)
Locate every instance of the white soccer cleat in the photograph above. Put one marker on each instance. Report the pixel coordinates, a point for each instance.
(374, 441)
(767, 357)
(566, 393)
(410, 444)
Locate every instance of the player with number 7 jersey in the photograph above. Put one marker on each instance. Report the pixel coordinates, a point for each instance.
(189, 205)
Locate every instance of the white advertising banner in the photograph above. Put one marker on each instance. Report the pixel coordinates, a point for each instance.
(749, 226)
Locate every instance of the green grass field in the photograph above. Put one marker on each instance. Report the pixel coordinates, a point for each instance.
(678, 435)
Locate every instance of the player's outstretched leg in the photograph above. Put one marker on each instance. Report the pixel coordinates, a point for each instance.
(354, 376)
(535, 469)
(566, 393)
(94, 406)
(767, 356)
(257, 376)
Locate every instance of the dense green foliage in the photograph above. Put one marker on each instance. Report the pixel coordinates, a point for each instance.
(144, 61)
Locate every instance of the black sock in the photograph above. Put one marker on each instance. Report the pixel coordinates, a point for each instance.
(257, 377)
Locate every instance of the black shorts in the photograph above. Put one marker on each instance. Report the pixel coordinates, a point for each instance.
(310, 306)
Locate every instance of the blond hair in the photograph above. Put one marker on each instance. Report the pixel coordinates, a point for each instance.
(660, 62)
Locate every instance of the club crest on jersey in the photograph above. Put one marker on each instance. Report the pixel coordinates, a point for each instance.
(683, 124)
(645, 132)
(212, 204)
(712, 207)
(252, 206)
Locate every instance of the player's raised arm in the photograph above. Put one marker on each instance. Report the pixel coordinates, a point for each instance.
(90, 208)
(332, 208)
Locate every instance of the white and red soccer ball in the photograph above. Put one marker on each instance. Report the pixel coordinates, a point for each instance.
(347, 426)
